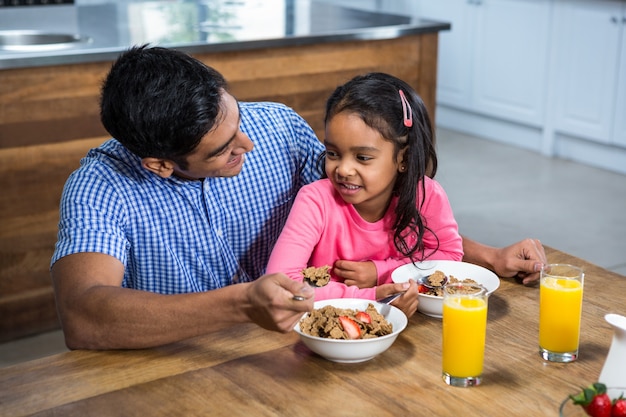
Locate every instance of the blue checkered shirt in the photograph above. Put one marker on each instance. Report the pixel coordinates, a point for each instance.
(177, 236)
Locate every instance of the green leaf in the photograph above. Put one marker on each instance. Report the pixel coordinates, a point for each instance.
(600, 388)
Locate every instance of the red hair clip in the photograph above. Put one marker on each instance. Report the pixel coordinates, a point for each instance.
(407, 113)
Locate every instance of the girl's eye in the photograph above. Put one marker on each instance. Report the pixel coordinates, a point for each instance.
(363, 158)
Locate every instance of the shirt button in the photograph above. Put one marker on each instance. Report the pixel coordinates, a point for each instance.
(235, 278)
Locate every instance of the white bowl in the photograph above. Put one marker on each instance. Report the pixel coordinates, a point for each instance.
(359, 350)
(432, 305)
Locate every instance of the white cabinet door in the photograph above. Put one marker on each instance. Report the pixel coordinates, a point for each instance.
(510, 59)
(454, 68)
(494, 59)
(619, 130)
(586, 47)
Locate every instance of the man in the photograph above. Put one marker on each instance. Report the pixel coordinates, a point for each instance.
(159, 223)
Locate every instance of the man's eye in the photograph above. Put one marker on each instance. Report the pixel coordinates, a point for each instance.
(220, 153)
(331, 154)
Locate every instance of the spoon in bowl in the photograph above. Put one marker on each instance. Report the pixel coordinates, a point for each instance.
(434, 281)
(425, 281)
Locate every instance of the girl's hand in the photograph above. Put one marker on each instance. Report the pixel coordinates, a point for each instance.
(407, 302)
(362, 274)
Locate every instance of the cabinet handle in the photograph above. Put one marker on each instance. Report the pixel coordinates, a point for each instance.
(614, 19)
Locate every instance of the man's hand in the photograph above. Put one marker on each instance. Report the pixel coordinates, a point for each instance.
(522, 260)
(271, 304)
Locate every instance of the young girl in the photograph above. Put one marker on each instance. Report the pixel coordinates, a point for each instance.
(377, 209)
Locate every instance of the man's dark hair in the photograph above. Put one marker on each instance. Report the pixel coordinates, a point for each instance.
(160, 102)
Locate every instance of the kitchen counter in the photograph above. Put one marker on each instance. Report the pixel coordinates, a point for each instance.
(207, 26)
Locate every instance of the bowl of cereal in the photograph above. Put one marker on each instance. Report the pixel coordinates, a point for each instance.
(350, 330)
(431, 299)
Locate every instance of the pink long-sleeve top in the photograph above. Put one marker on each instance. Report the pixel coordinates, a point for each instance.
(322, 228)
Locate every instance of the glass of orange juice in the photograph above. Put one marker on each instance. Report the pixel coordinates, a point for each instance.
(464, 331)
(560, 307)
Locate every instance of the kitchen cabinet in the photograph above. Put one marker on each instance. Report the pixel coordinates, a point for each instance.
(545, 75)
(402, 7)
(619, 129)
(493, 60)
(590, 70)
(455, 54)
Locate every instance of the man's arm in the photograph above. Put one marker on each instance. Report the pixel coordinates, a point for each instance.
(97, 313)
(523, 259)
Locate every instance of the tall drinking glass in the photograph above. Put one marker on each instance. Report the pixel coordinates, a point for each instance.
(464, 330)
(560, 307)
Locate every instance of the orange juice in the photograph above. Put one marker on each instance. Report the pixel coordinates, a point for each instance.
(560, 305)
(464, 330)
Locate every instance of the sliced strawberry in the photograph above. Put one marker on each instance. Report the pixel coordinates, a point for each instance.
(422, 289)
(353, 331)
(363, 317)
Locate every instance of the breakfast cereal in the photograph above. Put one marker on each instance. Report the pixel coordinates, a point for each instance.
(326, 322)
(437, 278)
(317, 277)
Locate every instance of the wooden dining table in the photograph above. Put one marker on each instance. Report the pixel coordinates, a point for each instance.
(249, 371)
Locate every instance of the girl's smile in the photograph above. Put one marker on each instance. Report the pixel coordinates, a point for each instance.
(346, 188)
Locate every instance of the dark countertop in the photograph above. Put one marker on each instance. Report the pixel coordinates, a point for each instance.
(205, 26)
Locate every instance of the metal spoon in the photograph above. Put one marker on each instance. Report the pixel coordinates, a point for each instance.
(420, 281)
(388, 299)
(297, 297)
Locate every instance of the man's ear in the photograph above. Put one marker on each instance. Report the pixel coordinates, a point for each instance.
(164, 168)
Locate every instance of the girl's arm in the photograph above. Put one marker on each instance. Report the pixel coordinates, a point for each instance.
(298, 238)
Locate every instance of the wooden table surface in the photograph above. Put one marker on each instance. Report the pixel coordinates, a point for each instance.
(247, 371)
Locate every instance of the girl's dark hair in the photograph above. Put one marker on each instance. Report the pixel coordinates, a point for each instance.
(375, 98)
(160, 102)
